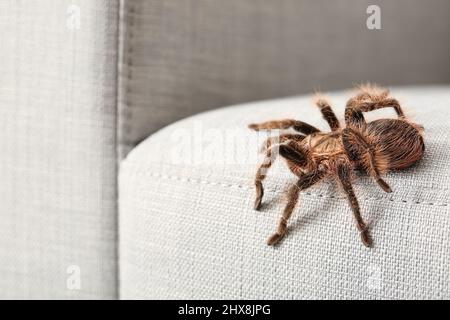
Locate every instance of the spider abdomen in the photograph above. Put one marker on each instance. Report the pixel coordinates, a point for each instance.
(397, 143)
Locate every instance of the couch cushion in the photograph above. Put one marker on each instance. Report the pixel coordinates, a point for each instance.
(188, 229)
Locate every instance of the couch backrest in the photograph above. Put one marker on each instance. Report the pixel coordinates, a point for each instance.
(184, 57)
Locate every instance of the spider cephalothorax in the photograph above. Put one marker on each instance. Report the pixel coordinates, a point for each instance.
(312, 155)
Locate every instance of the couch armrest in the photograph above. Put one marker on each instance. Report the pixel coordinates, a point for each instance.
(57, 136)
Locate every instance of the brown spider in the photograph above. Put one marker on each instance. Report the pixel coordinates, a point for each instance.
(376, 147)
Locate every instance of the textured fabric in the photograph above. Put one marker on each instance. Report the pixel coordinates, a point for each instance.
(183, 57)
(58, 169)
(188, 230)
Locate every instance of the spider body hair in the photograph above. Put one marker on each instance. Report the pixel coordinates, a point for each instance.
(375, 147)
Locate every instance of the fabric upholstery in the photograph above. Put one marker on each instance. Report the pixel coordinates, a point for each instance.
(184, 57)
(58, 164)
(188, 230)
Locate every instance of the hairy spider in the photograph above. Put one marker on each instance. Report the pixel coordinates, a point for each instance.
(375, 147)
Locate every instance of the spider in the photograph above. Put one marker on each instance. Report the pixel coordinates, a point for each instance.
(375, 147)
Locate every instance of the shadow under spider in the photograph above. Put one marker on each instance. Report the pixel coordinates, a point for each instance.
(324, 202)
(323, 206)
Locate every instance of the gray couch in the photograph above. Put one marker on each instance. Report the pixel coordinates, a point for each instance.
(83, 82)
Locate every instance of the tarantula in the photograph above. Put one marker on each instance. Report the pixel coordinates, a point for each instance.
(375, 147)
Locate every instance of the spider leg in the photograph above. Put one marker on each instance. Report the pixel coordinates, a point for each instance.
(360, 149)
(294, 153)
(297, 125)
(291, 151)
(344, 179)
(261, 175)
(280, 139)
(369, 99)
(328, 113)
(303, 183)
(367, 91)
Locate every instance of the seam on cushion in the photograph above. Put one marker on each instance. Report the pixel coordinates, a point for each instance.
(248, 187)
(121, 112)
(128, 111)
(118, 47)
(127, 22)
